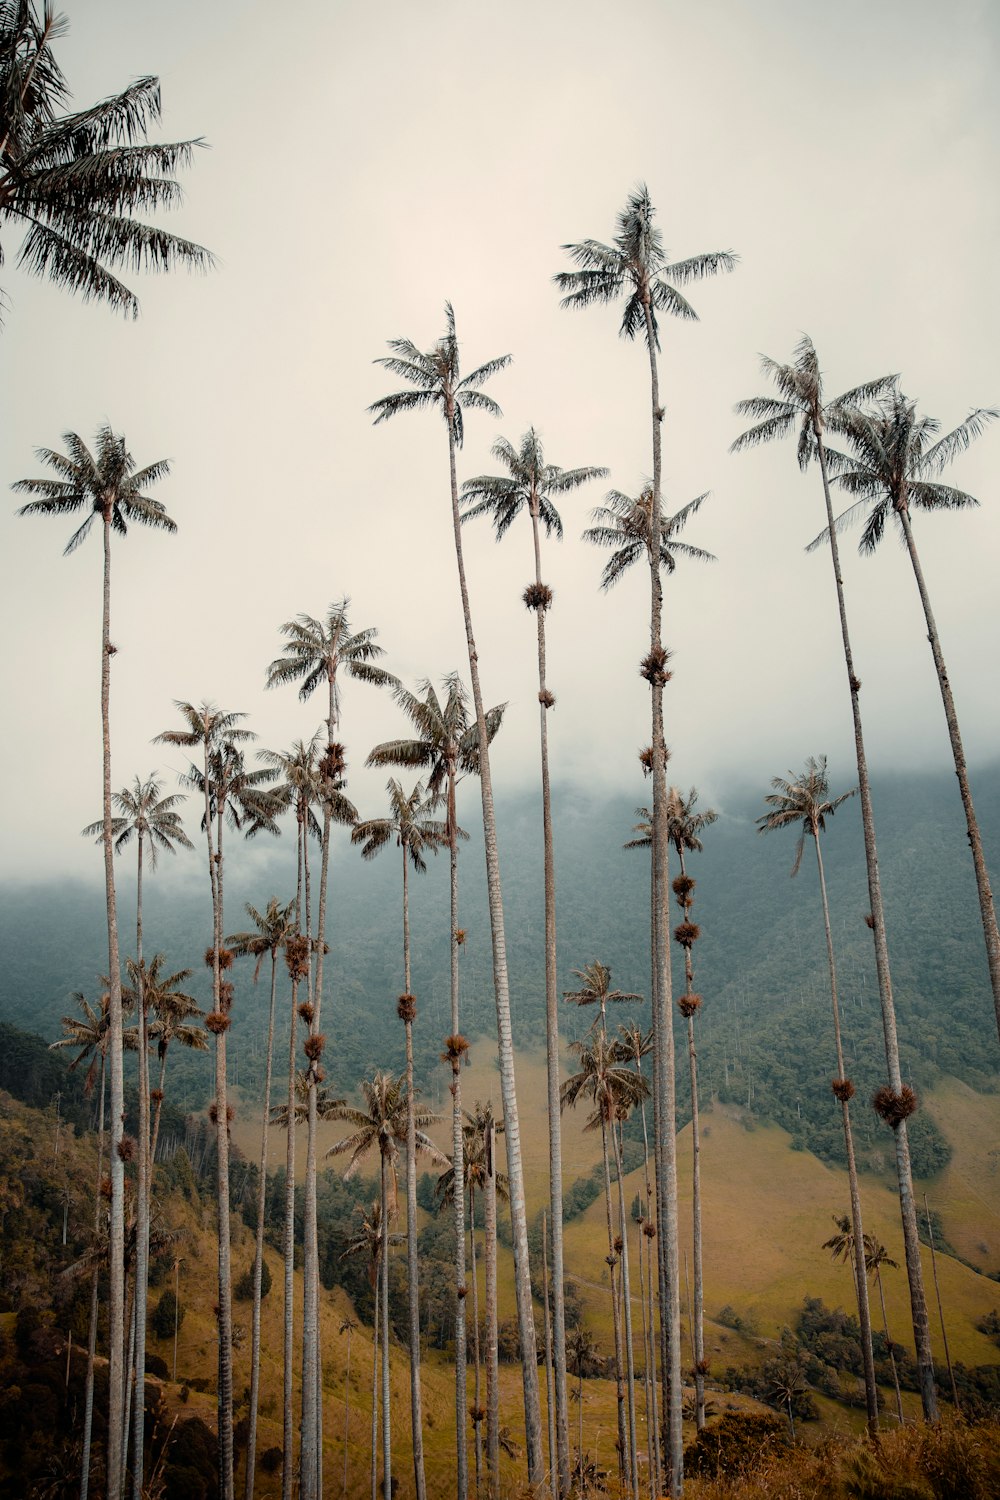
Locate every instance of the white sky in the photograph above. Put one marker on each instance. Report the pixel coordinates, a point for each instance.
(369, 162)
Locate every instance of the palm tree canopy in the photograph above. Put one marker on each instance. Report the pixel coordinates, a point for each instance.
(317, 650)
(800, 403)
(684, 824)
(475, 1157)
(625, 522)
(142, 812)
(303, 784)
(446, 734)
(104, 483)
(90, 1033)
(635, 266)
(271, 929)
(240, 796)
(896, 456)
(75, 180)
(381, 1125)
(529, 484)
(596, 987)
(802, 799)
(408, 823)
(435, 379)
(605, 1078)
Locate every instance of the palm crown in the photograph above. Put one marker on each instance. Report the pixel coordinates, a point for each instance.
(143, 813)
(606, 1079)
(382, 1126)
(317, 650)
(437, 380)
(596, 988)
(684, 824)
(272, 928)
(625, 523)
(74, 180)
(529, 484)
(896, 457)
(408, 822)
(804, 799)
(106, 483)
(445, 733)
(635, 266)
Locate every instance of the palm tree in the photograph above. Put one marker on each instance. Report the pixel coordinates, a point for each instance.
(435, 379)
(530, 484)
(237, 798)
(147, 816)
(447, 747)
(897, 456)
(91, 1036)
(372, 1241)
(800, 405)
(804, 801)
(613, 1088)
(685, 826)
(271, 930)
(318, 651)
(638, 1044)
(583, 1359)
(596, 990)
(107, 485)
(841, 1246)
(348, 1326)
(385, 1126)
(414, 832)
(174, 1015)
(625, 523)
(75, 180)
(635, 267)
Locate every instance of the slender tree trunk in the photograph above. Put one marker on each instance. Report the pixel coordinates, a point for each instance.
(937, 1294)
(384, 1312)
(888, 1344)
(857, 1227)
(904, 1175)
(458, 1163)
(550, 1382)
(664, 1101)
(88, 1397)
(477, 1383)
(347, 1409)
(144, 1180)
(116, 1291)
(627, 1305)
(652, 1403)
(129, 1377)
(560, 1483)
(505, 1044)
(412, 1252)
(288, 1247)
(156, 1113)
(177, 1310)
(987, 910)
(624, 1466)
(376, 1318)
(492, 1369)
(258, 1259)
(698, 1310)
(222, 1139)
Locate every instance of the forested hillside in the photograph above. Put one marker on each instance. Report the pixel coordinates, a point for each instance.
(765, 1037)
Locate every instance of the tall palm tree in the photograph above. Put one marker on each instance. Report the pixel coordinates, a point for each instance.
(106, 485)
(804, 801)
(613, 1088)
(584, 1359)
(685, 826)
(800, 407)
(348, 1326)
(625, 523)
(384, 1127)
(373, 1241)
(892, 471)
(148, 817)
(447, 747)
(842, 1247)
(434, 379)
(532, 485)
(414, 833)
(74, 180)
(271, 930)
(91, 1036)
(174, 1020)
(236, 798)
(596, 990)
(321, 651)
(638, 1044)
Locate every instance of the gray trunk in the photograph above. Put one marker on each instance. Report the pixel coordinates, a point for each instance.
(458, 1167)
(88, 1399)
(492, 1369)
(258, 1259)
(143, 1187)
(412, 1256)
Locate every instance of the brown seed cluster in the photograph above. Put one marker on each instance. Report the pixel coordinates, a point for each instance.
(217, 1022)
(843, 1089)
(689, 1005)
(297, 957)
(547, 699)
(306, 1012)
(894, 1108)
(406, 1007)
(537, 596)
(654, 666)
(314, 1045)
(687, 934)
(455, 1048)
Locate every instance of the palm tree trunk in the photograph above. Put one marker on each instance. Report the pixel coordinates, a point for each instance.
(624, 1467)
(904, 1175)
(156, 1113)
(550, 1383)
(505, 1043)
(116, 1290)
(857, 1227)
(560, 1484)
(987, 910)
(888, 1343)
(652, 1402)
(492, 1368)
(288, 1246)
(627, 1304)
(347, 1409)
(412, 1252)
(698, 1311)
(375, 1366)
(311, 1436)
(88, 1398)
(458, 1164)
(477, 1384)
(222, 1139)
(143, 1187)
(384, 1312)
(258, 1259)
(664, 1103)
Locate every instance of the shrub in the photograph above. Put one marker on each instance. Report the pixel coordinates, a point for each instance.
(735, 1445)
(243, 1290)
(168, 1314)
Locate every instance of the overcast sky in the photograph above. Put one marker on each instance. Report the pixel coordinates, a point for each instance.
(369, 162)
